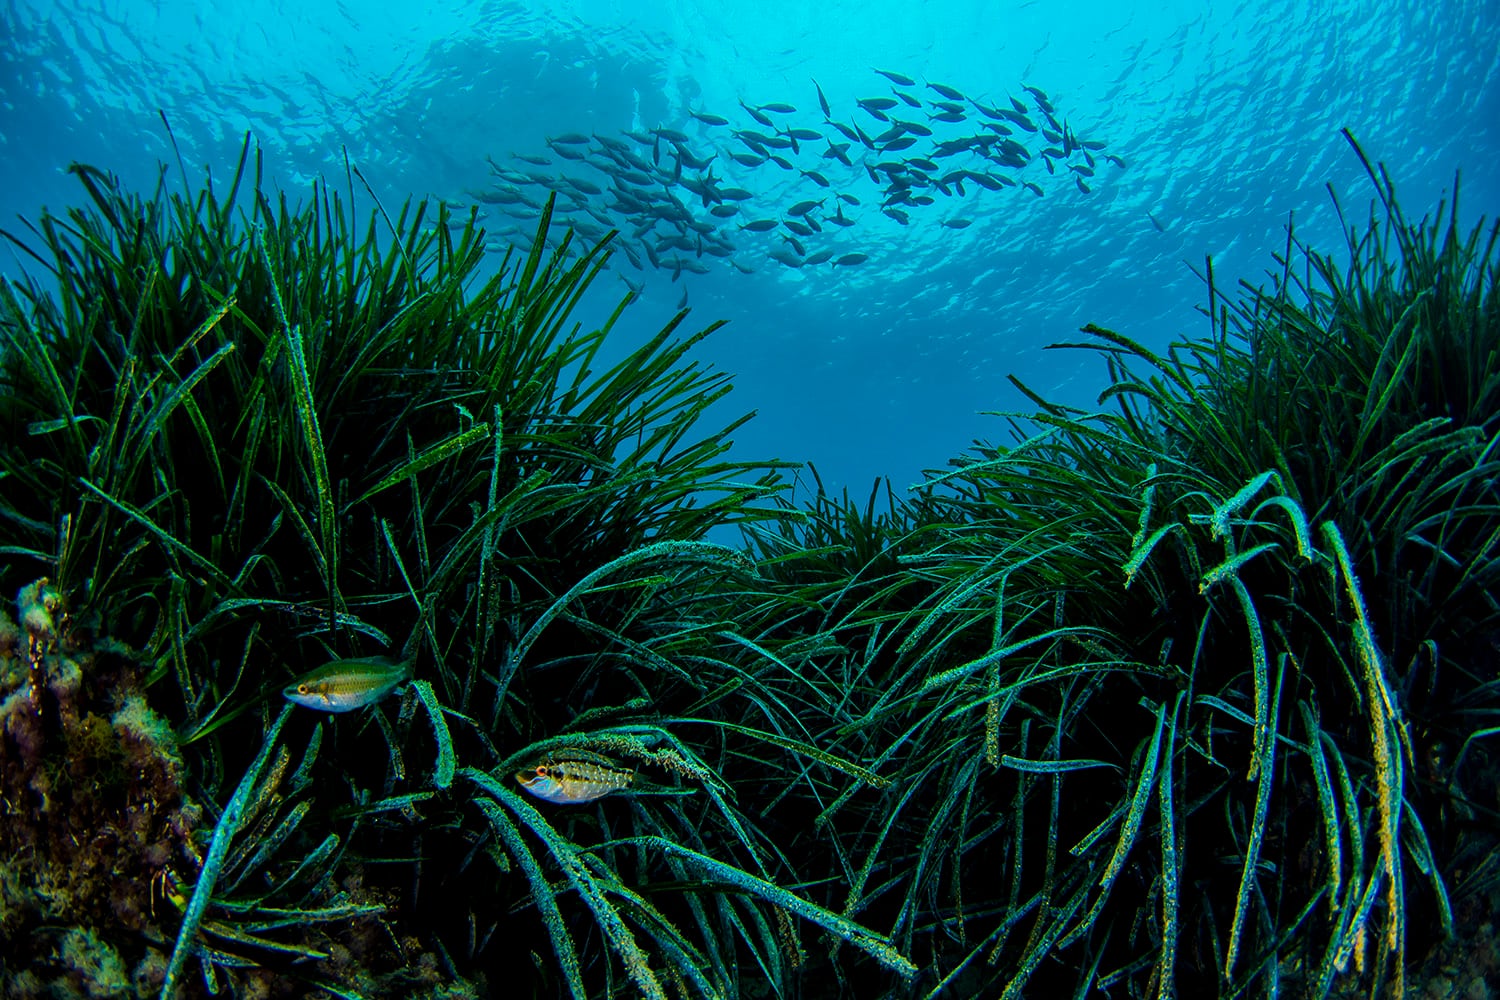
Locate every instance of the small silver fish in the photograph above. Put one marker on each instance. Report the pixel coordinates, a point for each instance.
(344, 685)
(570, 777)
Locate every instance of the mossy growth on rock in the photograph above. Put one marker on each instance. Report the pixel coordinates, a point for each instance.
(95, 815)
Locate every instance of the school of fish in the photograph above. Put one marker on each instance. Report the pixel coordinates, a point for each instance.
(682, 203)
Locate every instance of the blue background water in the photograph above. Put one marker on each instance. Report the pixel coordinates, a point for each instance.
(1226, 114)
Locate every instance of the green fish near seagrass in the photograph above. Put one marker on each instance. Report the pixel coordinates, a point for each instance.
(574, 776)
(344, 685)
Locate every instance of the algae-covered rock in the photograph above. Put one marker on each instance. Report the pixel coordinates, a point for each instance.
(94, 963)
(92, 774)
(143, 730)
(150, 972)
(10, 640)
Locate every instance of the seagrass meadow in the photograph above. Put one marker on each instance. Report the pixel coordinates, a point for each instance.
(1191, 695)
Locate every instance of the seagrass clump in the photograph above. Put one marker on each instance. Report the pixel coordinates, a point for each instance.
(1190, 697)
(246, 436)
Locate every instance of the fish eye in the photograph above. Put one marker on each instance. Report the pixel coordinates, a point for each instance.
(541, 770)
(302, 689)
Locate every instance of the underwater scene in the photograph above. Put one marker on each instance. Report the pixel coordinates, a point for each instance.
(585, 500)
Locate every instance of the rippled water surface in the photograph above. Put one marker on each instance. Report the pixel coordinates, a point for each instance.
(1176, 132)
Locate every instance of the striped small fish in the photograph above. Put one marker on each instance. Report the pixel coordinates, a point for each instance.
(574, 776)
(344, 685)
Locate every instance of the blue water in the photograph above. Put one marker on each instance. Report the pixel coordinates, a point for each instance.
(1227, 117)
